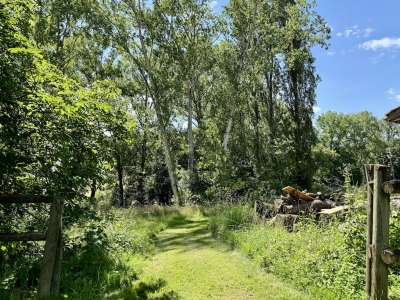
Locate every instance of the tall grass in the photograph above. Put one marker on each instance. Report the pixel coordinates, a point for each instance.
(325, 259)
(101, 255)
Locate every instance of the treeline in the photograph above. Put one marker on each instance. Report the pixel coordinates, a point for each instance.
(169, 101)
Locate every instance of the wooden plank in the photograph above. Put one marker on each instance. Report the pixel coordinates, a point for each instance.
(334, 210)
(27, 199)
(380, 234)
(50, 249)
(297, 194)
(24, 236)
(369, 173)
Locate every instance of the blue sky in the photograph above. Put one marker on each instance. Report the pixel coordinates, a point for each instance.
(361, 69)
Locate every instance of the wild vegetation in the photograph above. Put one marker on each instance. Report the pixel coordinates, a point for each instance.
(124, 104)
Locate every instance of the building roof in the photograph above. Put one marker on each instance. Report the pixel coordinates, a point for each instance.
(393, 115)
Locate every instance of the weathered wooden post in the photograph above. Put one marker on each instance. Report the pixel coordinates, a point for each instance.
(377, 232)
(378, 213)
(51, 264)
(49, 280)
(369, 173)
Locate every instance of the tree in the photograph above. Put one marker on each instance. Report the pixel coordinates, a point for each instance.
(53, 131)
(354, 139)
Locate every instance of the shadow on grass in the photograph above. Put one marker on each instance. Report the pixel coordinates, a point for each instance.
(179, 220)
(144, 291)
(189, 234)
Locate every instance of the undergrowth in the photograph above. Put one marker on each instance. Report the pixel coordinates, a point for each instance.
(326, 259)
(101, 255)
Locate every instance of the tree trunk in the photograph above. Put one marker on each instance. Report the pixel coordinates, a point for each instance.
(120, 180)
(171, 167)
(93, 190)
(229, 127)
(154, 93)
(142, 174)
(190, 128)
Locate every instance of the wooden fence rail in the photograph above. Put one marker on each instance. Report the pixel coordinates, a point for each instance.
(49, 279)
(378, 254)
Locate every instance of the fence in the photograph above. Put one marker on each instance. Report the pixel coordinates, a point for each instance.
(49, 279)
(378, 254)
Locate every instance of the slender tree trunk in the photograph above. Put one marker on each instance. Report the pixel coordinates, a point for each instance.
(142, 169)
(190, 131)
(243, 56)
(120, 180)
(229, 126)
(257, 120)
(93, 189)
(153, 91)
(170, 166)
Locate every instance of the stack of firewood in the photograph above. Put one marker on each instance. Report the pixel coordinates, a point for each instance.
(296, 202)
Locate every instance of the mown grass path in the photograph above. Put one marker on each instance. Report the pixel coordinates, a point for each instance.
(190, 264)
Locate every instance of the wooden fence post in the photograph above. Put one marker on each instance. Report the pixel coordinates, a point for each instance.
(380, 234)
(369, 174)
(51, 257)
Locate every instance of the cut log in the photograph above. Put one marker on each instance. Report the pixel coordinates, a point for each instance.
(391, 187)
(312, 195)
(334, 210)
(263, 210)
(285, 220)
(277, 204)
(390, 256)
(332, 194)
(306, 206)
(297, 194)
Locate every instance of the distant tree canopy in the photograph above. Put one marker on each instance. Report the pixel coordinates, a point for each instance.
(170, 101)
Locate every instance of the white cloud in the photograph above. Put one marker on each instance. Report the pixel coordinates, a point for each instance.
(339, 34)
(375, 59)
(355, 30)
(368, 31)
(348, 32)
(385, 43)
(331, 53)
(316, 109)
(391, 91)
(393, 94)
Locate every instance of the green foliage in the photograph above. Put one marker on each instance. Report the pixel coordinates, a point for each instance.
(326, 259)
(100, 256)
(347, 139)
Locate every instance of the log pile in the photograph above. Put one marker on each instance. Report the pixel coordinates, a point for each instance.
(296, 202)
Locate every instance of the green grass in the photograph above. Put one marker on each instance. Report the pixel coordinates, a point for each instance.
(190, 264)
